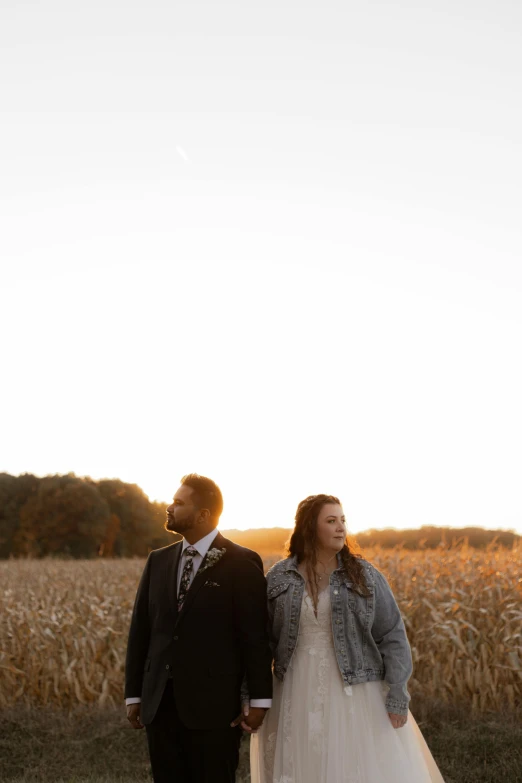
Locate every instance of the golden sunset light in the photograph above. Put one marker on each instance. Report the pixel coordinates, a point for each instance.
(393, 385)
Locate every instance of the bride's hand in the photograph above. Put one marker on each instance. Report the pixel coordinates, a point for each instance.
(397, 721)
(241, 717)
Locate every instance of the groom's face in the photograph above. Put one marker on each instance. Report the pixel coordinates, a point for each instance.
(182, 514)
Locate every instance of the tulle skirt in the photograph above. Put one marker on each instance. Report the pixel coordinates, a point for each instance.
(320, 732)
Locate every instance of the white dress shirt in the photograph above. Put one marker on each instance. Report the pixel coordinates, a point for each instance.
(202, 546)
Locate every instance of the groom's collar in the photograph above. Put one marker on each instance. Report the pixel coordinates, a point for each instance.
(203, 545)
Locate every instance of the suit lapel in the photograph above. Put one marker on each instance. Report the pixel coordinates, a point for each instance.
(200, 578)
(172, 576)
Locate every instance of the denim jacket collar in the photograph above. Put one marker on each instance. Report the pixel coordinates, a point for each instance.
(292, 564)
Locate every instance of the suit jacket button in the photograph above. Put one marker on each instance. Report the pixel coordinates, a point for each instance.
(167, 667)
(176, 638)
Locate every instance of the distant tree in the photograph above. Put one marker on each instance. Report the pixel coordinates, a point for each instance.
(14, 493)
(78, 517)
(431, 537)
(111, 536)
(66, 515)
(158, 535)
(135, 526)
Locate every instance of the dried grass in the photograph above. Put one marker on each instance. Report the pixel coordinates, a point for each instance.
(64, 624)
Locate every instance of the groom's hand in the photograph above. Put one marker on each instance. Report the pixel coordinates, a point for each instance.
(250, 719)
(133, 716)
(253, 719)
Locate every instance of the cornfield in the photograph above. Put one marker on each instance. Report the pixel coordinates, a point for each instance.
(64, 624)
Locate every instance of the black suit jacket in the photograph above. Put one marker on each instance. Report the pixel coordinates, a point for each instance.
(218, 637)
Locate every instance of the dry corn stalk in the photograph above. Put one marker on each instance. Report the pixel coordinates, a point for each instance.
(63, 626)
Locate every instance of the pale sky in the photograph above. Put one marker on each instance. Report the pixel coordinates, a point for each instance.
(275, 243)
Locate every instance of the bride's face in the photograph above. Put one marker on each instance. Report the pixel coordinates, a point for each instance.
(331, 528)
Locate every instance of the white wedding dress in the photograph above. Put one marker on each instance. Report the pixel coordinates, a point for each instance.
(318, 731)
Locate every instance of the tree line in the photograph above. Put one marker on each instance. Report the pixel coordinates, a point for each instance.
(77, 517)
(82, 518)
(270, 541)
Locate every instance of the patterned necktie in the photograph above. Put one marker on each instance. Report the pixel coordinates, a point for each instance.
(186, 576)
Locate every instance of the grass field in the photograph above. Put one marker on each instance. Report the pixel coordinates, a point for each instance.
(96, 745)
(63, 627)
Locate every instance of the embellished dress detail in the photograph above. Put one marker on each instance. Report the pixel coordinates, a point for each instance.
(319, 731)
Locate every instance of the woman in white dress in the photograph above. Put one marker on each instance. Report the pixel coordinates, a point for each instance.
(341, 665)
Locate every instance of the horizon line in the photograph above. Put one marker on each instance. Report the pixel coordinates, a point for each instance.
(380, 529)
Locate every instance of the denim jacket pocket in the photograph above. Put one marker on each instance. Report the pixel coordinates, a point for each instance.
(277, 597)
(345, 580)
(277, 589)
(276, 601)
(348, 594)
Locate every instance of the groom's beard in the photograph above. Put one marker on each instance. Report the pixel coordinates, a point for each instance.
(180, 525)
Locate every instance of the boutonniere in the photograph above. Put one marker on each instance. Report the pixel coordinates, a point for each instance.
(213, 556)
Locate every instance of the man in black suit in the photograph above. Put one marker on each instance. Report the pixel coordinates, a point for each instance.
(198, 631)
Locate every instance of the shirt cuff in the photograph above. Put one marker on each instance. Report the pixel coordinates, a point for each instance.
(133, 700)
(265, 703)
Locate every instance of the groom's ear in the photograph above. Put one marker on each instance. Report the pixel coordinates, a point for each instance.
(204, 515)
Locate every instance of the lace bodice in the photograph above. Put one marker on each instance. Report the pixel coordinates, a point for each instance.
(315, 633)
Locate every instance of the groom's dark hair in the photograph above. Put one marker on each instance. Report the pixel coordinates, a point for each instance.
(207, 494)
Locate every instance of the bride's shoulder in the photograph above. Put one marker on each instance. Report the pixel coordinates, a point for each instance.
(369, 567)
(374, 577)
(371, 572)
(278, 569)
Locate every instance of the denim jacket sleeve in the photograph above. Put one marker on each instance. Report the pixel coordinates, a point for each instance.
(245, 696)
(277, 583)
(390, 637)
(271, 637)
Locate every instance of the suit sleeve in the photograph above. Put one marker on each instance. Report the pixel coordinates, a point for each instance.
(251, 618)
(139, 636)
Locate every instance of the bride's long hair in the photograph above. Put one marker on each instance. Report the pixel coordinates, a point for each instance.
(303, 543)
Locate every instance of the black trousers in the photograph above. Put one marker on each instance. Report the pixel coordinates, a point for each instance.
(181, 755)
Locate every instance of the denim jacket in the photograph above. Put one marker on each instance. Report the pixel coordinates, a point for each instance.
(368, 631)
